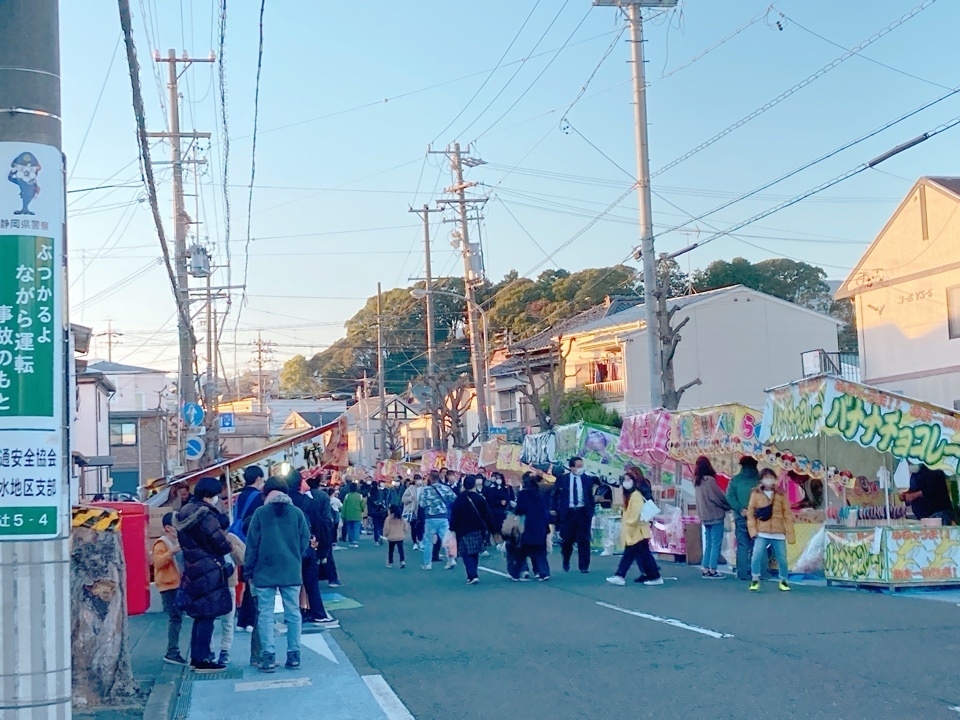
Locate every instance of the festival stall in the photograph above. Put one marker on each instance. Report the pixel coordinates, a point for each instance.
(666, 445)
(858, 442)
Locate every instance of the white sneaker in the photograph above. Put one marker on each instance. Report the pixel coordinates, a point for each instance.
(616, 580)
(416, 546)
(658, 581)
(451, 564)
(428, 566)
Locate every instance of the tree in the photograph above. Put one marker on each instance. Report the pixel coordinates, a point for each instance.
(669, 340)
(580, 406)
(296, 377)
(784, 278)
(544, 377)
(845, 311)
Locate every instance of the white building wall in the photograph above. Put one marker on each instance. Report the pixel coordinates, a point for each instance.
(90, 435)
(738, 344)
(137, 391)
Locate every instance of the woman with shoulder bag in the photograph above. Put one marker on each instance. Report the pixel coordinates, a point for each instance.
(532, 510)
(713, 506)
(636, 532)
(770, 523)
(471, 522)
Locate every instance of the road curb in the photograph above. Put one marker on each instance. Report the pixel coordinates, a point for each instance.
(164, 695)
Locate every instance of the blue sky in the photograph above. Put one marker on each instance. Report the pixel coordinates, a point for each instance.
(352, 94)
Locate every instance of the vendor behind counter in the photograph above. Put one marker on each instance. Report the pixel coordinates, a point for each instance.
(929, 496)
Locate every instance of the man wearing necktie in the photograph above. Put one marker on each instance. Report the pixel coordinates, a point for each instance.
(573, 506)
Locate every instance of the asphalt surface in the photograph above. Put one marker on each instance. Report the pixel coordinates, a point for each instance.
(692, 648)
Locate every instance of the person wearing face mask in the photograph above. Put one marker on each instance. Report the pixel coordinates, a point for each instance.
(573, 507)
(204, 594)
(770, 523)
(498, 497)
(378, 510)
(635, 532)
(533, 540)
(471, 522)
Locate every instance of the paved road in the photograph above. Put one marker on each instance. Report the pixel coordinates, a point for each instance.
(691, 648)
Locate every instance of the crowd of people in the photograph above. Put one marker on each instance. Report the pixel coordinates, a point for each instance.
(284, 531)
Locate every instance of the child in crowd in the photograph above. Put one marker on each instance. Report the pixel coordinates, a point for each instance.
(395, 529)
(167, 567)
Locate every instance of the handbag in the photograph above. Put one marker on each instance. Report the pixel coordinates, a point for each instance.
(649, 511)
(763, 514)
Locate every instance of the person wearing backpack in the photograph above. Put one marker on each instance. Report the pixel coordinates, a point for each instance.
(770, 523)
(247, 502)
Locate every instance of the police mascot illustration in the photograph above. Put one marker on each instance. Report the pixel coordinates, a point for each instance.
(23, 173)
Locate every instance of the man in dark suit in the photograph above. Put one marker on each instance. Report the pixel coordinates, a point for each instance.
(573, 508)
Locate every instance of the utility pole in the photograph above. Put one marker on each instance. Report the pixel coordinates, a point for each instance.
(109, 335)
(181, 221)
(472, 275)
(432, 379)
(35, 625)
(647, 254)
(261, 353)
(381, 370)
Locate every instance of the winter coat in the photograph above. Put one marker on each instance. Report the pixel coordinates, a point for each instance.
(203, 587)
(437, 501)
(166, 573)
(739, 489)
(632, 529)
(411, 497)
(498, 500)
(532, 507)
(712, 506)
(277, 543)
(395, 529)
(326, 513)
(781, 522)
(311, 511)
(470, 513)
(354, 507)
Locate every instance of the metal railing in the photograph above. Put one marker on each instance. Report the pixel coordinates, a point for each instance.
(842, 364)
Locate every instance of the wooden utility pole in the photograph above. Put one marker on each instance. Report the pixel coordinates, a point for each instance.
(109, 335)
(472, 276)
(433, 381)
(261, 354)
(35, 625)
(381, 370)
(187, 377)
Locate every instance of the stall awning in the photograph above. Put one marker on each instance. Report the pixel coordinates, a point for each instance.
(819, 416)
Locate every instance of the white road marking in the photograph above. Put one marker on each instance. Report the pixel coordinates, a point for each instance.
(667, 621)
(955, 708)
(494, 572)
(272, 684)
(277, 603)
(386, 698)
(318, 644)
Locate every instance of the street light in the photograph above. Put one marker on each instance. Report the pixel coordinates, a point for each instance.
(421, 293)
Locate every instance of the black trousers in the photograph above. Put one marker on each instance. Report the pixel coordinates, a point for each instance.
(641, 555)
(200, 636)
(328, 570)
(247, 613)
(311, 584)
(470, 563)
(575, 528)
(538, 558)
(398, 544)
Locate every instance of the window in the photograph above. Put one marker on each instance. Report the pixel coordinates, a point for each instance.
(418, 443)
(953, 311)
(123, 433)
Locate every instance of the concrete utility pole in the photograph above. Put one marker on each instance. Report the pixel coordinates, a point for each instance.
(472, 275)
(381, 370)
(181, 221)
(109, 335)
(648, 254)
(35, 624)
(261, 353)
(432, 380)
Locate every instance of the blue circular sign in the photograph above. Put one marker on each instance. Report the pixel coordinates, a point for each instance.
(194, 448)
(192, 414)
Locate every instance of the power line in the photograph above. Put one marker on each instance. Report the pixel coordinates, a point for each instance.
(490, 75)
(517, 71)
(795, 88)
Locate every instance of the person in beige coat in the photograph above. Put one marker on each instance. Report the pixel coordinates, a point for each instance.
(227, 622)
(770, 523)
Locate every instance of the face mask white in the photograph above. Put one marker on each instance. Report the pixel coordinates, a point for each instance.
(577, 471)
(628, 484)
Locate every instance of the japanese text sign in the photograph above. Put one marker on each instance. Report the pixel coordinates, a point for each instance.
(33, 490)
